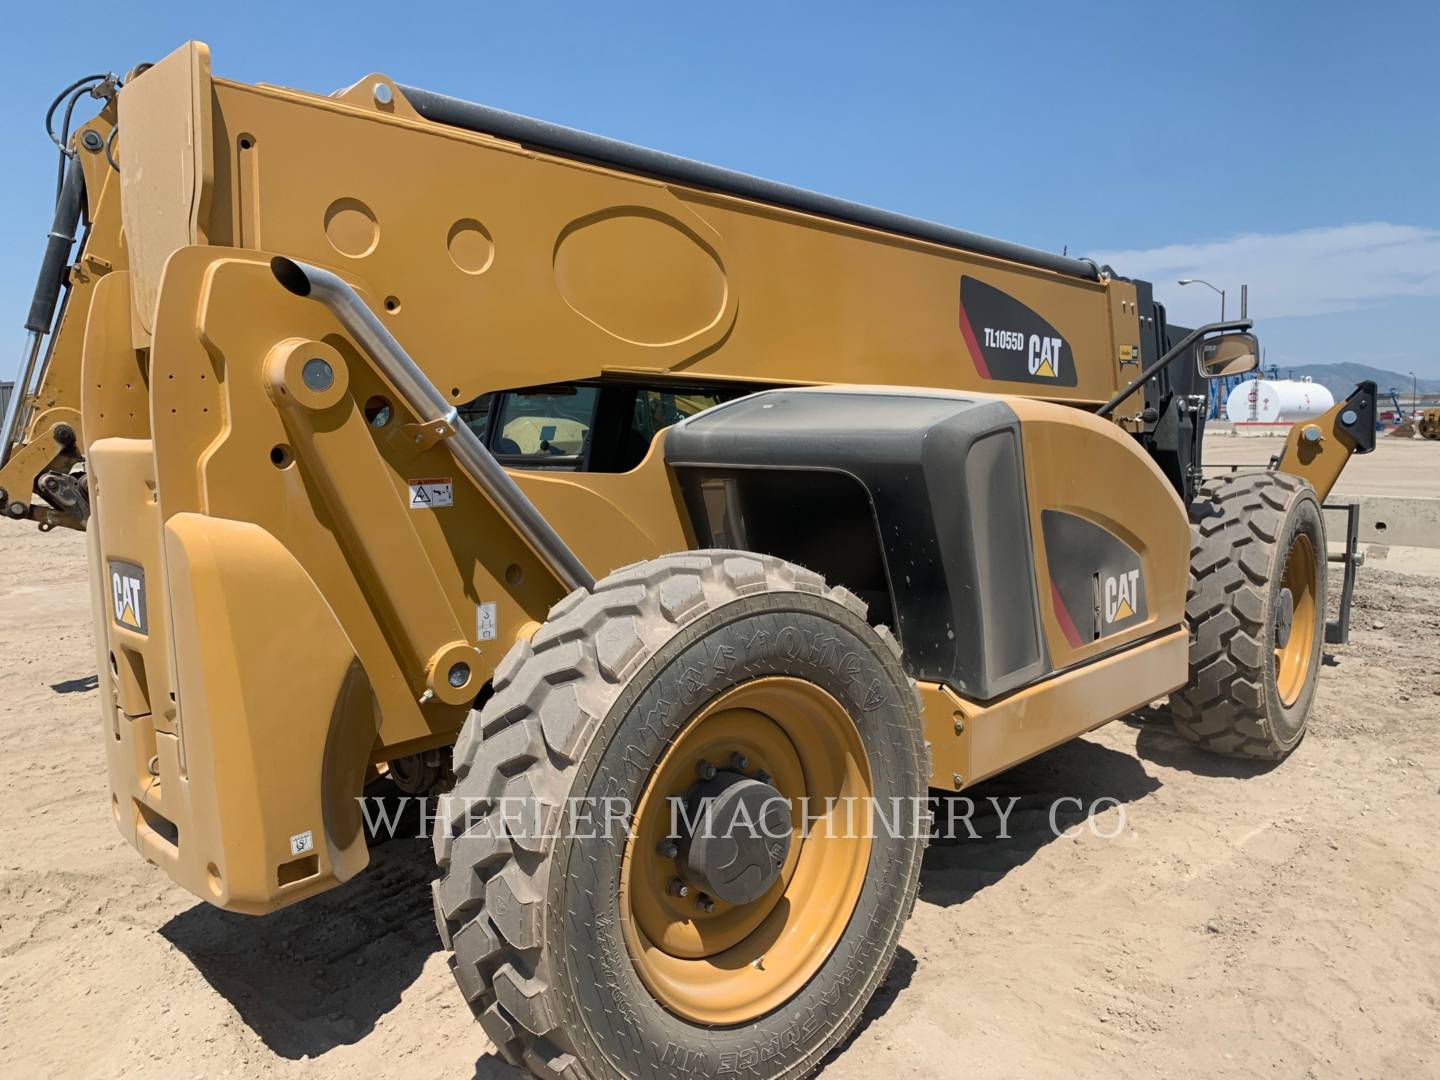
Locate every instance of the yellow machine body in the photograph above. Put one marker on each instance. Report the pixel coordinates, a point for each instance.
(274, 610)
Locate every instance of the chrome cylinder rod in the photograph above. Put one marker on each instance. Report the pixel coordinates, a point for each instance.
(20, 393)
(430, 406)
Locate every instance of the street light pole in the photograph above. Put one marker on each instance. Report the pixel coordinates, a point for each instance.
(1414, 392)
(1212, 288)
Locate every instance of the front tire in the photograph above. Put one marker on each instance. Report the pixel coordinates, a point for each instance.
(1256, 613)
(574, 944)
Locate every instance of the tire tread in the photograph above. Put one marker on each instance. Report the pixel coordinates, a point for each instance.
(551, 693)
(1233, 556)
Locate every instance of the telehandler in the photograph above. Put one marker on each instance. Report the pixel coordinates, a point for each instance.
(398, 423)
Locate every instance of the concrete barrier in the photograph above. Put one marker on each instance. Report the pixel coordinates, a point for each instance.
(1390, 519)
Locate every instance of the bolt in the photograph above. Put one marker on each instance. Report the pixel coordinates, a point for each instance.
(383, 94)
(64, 434)
(959, 725)
(459, 675)
(958, 780)
(91, 140)
(4, 496)
(705, 770)
(763, 776)
(678, 888)
(739, 762)
(317, 374)
(667, 849)
(1348, 417)
(705, 904)
(17, 509)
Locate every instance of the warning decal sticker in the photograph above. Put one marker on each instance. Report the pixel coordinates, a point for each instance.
(485, 621)
(429, 494)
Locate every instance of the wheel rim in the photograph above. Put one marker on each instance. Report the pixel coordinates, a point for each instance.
(1293, 655)
(733, 963)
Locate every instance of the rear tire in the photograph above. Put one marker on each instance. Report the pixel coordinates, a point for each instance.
(1256, 613)
(540, 922)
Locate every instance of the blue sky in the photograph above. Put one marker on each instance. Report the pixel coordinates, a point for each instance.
(1294, 146)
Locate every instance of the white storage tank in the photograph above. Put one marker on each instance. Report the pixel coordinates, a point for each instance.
(1276, 401)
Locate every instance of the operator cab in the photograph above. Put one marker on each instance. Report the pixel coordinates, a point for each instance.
(586, 426)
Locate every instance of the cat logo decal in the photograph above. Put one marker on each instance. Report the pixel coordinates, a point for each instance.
(1009, 342)
(1097, 582)
(127, 596)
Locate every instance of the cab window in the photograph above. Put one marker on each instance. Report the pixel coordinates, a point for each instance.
(596, 427)
(545, 427)
(658, 409)
(476, 415)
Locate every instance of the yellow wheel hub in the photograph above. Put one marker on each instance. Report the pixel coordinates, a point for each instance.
(718, 963)
(1295, 637)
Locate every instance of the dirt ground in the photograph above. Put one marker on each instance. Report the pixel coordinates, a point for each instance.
(1242, 921)
(1408, 467)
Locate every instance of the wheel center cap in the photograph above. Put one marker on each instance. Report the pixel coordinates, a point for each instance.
(739, 837)
(1284, 619)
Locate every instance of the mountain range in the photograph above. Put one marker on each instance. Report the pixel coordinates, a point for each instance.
(1340, 379)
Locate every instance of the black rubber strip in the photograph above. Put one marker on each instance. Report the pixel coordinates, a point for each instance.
(570, 142)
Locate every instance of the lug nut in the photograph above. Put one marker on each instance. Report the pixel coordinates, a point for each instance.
(705, 904)
(763, 776)
(739, 762)
(667, 849)
(678, 888)
(705, 770)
